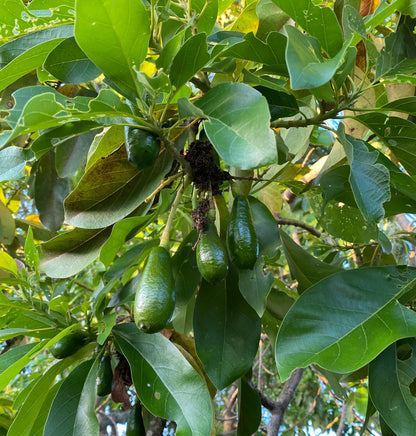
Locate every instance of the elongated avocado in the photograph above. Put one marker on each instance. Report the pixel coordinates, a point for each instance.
(104, 377)
(135, 426)
(155, 296)
(69, 344)
(211, 256)
(142, 147)
(242, 240)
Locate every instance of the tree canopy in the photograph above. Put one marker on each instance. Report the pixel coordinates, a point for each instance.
(206, 217)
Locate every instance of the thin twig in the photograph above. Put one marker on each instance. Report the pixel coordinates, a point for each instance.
(297, 223)
(340, 430)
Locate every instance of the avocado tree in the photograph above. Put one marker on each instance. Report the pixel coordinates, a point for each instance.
(206, 213)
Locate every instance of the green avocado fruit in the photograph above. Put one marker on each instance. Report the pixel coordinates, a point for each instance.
(142, 147)
(155, 296)
(135, 426)
(69, 344)
(211, 256)
(243, 244)
(104, 377)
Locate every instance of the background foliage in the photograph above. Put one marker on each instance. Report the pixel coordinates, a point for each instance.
(306, 110)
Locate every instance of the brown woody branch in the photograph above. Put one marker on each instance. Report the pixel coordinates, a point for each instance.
(297, 223)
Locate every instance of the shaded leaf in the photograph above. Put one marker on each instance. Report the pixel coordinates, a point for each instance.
(121, 37)
(50, 192)
(191, 57)
(249, 409)
(72, 412)
(348, 311)
(69, 64)
(12, 162)
(112, 188)
(166, 383)
(70, 252)
(238, 125)
(305, 268)
(226, 330)
(370, 181)
(7, 226)
(255, 285)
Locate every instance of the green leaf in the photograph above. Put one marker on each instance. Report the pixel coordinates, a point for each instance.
(398, 56)
(307, 69)
(7, 226)
(238, 125)
(319, 21)
(24, 422)
(42, 416)
(50, 192)
(112, 188)
(398, 134)
(13, 355)
(166, 383)
(71, 155)
(25, 54)
(207, 14)
(72, 412)
(31, 251)
(190, 59)
(370, 181)
(348, 311)
(226, 330)
(394, 371)
(266, 228)
(121, 36)
(305, 268)
(255, 285)
(105, 143)
(69, 64)
(70, 252)
(7, 263)
(12, 162)
(249, 409)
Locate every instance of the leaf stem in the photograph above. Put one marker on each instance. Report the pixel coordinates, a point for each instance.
(164, 240)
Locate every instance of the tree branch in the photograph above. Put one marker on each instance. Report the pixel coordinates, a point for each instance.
(278, 408)
(340, 430)
(297, 223)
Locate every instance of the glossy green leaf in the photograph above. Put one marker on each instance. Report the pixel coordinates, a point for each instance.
(207, 14)
(105, 143)
(24, 422)
(72, 412)
(7, 263)
(12, 162)
(394, 371)
(71, 155)
(42, 416)
(226, 330)
(166, 383)
(266, 227)
(41, 107)
(370, 181)
(27, 53)
(69, 64)
(13, 355)
(307, 69)
(397, 133)
(191, 57)
(31, 251)
(271, 52)
(271, 18)
(319, 21)
(249, 409)
(70, 252)
(7, 226)
(255, 285)
(238, 125)
(305, 268)
(121, 36)
(348, 311)
(112, 188)
(50, 192)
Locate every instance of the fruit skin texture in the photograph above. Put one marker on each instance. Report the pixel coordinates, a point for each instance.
(142, 147)
(211, 256)
(135, 426)
(104, 377)
(242, 241)
(155, 296)
(69, 344)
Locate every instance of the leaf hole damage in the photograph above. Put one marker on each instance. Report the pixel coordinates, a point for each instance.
(404, 352)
